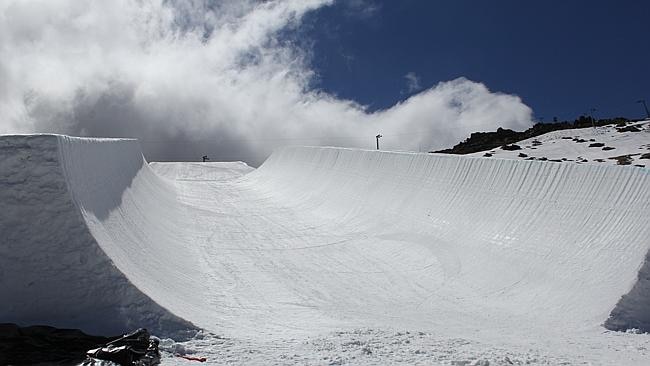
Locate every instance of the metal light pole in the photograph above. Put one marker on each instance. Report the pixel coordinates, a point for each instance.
(642, 101)
(378, 137)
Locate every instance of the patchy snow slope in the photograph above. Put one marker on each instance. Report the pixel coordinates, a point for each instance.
(603, 145)
(518, 254)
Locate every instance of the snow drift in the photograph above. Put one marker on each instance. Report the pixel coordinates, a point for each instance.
(317, 239)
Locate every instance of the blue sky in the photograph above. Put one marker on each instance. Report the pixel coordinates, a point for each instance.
(561, 57)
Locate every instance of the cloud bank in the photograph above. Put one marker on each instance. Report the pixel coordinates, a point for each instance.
(196, 77)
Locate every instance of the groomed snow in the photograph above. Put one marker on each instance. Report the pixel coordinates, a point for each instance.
(214, 171)
(325, 248)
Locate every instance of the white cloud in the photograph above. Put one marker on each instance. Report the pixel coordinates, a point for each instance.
(196, 77)
(363, 9)
(412, 82)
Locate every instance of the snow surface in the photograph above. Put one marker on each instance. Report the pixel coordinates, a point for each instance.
(214, 171)
(573, 146)
(329, 255)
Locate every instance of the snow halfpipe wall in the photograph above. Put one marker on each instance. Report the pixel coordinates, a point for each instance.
(93, 237)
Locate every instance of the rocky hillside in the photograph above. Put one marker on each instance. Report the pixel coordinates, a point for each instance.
(482, 141)
(613, 144)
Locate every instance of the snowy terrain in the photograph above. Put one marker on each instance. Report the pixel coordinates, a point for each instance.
(217, 171)
(331, 256)
(602, 145)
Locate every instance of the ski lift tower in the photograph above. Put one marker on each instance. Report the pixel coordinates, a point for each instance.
(593, 119)
(645, 106)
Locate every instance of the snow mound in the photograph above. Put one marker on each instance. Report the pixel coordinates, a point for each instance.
(317, 239)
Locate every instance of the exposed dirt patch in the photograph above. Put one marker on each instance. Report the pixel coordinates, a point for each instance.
(623, 159)
(511, 147)
(629, 129)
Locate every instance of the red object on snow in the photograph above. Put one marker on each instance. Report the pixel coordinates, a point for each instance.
(200, 359)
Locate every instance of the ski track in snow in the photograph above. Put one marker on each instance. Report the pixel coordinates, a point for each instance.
(330, 256)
